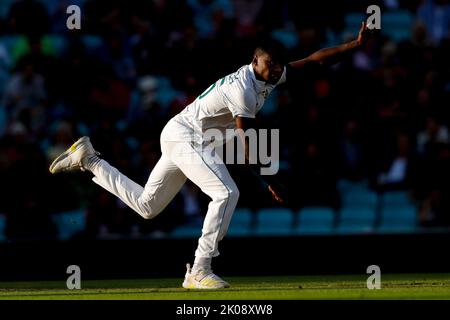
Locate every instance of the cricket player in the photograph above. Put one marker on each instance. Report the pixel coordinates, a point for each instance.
(231, 102)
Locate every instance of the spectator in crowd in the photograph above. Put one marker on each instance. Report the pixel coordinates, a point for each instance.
(434, 133)
(397, 170)
(25, 96)
(435, 14)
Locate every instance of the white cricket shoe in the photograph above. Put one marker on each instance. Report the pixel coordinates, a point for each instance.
(76, 157)
(203, 279)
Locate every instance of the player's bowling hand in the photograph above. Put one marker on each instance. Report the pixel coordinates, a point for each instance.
(365, 34)
(277, 194)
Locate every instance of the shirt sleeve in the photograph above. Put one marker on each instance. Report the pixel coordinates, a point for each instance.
(242, 104)
(283, 76)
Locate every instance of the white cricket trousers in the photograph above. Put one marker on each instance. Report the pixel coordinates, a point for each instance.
(179, 160)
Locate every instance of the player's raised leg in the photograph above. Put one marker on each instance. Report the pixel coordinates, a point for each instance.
(163, 184)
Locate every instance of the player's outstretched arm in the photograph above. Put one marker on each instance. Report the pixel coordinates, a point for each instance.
(329, 56)
(276, 189)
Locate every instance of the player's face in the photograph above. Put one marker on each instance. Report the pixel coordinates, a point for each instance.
(267, 69)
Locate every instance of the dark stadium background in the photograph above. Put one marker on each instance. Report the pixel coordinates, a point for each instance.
(365, 146)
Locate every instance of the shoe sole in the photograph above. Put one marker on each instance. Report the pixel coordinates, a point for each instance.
(193, 286)
(67, 153)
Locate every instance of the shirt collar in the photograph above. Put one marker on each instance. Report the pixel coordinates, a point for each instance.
(258, 84)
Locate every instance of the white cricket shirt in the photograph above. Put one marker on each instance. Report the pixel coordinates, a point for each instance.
(237, 94)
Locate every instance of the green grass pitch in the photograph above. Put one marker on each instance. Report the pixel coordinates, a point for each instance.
(393, 286)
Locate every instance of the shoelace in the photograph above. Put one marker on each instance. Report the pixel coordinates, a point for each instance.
(97, 154)
(203, 273)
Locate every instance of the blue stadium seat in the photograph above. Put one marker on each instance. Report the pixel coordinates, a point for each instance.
(51, 5)
(5, 5)
(398, 198)
(2, 227)
(398, 219)
(240, 224)
(16, 46)
(399, 214)
(353, 20)
(274, 222)
(360, 196)
(55, 44)
(344, 185)
(92, 42)
(187, 231)
(288, 37)
(397, 24)
(332, 38)
(315, 220)
(165, 93)
(356, 219)
(69, 223)
(3, 120)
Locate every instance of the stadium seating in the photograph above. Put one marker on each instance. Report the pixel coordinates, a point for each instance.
(396, 25)
(3, 120)
(2, 227)
(16, 46)
(187, 231)
(50, 4)
(287, 36)
(241, 223)
(332, 38)
(398, 219)
(358, 215)
(344, 185)
(315, 220)
(399, 213)
(53, 44)
(92, 42)
(274, 222)
(398, 198)
(166, 93)
(5, 7)
(356, 219)
(360, 205)
(69, 223)
(353, 19)
(360, 197)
